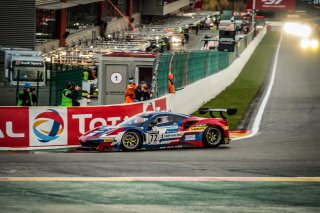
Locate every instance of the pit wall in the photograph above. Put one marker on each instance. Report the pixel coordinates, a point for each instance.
(189, 99)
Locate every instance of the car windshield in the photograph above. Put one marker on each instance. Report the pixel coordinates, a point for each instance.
(136, 120)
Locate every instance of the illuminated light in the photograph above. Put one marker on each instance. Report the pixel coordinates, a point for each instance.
(300, 30)
(314, 44)
(175, 39)
(304, 43)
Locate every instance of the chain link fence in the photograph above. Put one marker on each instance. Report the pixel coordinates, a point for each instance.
(189, 67)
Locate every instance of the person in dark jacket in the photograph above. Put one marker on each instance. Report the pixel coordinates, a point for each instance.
(206, 42)
(26, 97)
(142, 92)
(70, 95)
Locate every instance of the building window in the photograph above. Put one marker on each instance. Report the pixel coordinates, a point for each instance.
(45, 25)
(82, 17)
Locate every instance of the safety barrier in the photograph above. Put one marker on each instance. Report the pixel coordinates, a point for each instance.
(190, 67)
(196, 94)
(45, 127)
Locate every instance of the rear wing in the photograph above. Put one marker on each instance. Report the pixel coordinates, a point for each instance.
(222, 111)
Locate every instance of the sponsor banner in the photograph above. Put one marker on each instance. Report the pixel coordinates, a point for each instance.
(155, 105)
(272, 4)
(82, 119)
(58, 126)
(14, 127)
(48, 126)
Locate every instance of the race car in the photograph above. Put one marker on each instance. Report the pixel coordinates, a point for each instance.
(149, 130)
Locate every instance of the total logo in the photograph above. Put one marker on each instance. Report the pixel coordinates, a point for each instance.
(48, 127)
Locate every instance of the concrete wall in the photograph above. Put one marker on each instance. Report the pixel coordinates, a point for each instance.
(193, 96)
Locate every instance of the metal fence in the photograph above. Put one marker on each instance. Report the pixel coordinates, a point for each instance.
(56, 77)
(189, 67)
(59, 75)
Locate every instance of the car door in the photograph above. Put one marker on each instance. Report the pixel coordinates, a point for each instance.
(162, 131)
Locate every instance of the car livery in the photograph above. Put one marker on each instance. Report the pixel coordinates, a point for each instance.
(150, 130)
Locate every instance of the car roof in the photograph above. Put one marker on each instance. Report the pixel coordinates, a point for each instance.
(153, 113)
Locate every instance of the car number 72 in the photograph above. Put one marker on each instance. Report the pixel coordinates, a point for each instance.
(154, 138)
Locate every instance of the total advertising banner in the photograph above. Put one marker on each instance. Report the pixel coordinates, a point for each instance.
(272, 4)
(14, 127)
(61, 126)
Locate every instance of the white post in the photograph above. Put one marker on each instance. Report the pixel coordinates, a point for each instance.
(253, 14)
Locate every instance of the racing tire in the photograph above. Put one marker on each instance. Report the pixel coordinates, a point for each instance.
(212, 137)
(131, 140)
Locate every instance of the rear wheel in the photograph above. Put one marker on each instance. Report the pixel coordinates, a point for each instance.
(131, 141)
(212, 137)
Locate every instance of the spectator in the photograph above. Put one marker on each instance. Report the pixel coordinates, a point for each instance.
(197, 29)
(142, 92)
(170, 83)
(93, 74)
(186, 36)
(130, 92)
(26, 97)
(70, 95)
(85, 75)
(206, 42)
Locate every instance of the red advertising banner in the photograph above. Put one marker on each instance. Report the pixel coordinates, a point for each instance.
(82, 119)
(61, 126)
(14, 127)
(272, 4)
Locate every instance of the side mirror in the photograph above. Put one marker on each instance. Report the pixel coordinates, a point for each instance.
(152, 123)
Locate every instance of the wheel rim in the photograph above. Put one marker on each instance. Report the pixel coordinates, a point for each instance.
(213, 136)
(130, 140)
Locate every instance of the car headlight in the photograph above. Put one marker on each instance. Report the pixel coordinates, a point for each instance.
(304, 43)
(314, 44)
(309, 43)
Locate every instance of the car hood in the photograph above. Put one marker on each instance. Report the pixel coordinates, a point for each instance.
(98, 132)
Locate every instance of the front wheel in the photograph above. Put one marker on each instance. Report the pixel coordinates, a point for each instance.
(212, 137)
(131, 141)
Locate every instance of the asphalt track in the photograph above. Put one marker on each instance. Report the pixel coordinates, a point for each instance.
(187, 180)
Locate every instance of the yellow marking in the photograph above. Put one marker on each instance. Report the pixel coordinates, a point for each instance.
(108, 140)
(198, 128)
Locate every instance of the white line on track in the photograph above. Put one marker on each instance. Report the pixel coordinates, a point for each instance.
(158, 179)
(258, 118)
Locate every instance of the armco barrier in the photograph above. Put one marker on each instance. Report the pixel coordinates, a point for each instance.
(39, 127)
(194, 95)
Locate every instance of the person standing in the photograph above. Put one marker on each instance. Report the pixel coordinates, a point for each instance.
(170, 83)
(130, 92)
(206, 42)
(70, 95)
(197, 29)
(142, 92)
(26, 97)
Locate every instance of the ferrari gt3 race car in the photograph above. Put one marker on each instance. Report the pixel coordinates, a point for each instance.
(149, 130)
